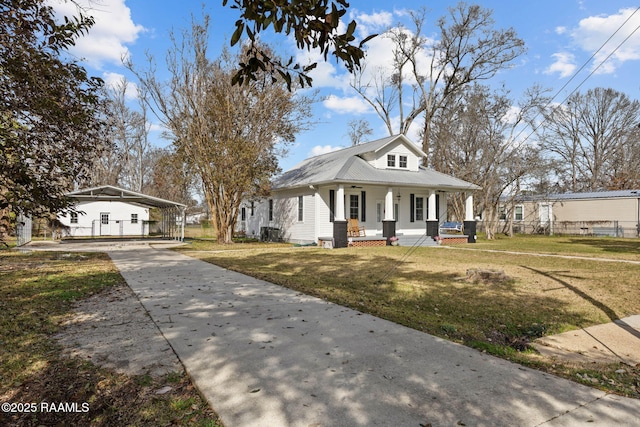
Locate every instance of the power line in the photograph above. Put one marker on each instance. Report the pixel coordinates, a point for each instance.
(575, 74)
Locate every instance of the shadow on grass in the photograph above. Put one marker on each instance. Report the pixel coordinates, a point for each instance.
(618, 246)
(611, 314)
(440, 303)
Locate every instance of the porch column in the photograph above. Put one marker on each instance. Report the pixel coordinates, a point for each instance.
(469, 220)
(388, 205)
(339, 221)
(468, 208)
(433, 228)
(339, 213)
(389, 222)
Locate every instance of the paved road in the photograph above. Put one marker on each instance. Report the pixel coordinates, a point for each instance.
(263, 355)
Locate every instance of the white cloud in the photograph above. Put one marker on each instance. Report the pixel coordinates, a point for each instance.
(346, 104)
(113, 80)
(512, 114)
(373, 23)
(107, 39)
(564, 65)
(561, 30)
(592, 32)
(323, 149)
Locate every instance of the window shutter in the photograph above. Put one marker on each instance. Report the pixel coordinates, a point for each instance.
(363, 201)
(332, 205)
(412, 207)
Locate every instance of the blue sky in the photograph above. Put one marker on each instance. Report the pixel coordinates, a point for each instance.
(560, 36)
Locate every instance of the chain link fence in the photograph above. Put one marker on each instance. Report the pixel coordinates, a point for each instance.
(604, 228)
(24, 227)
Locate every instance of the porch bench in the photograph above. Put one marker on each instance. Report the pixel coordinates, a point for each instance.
(451, 226)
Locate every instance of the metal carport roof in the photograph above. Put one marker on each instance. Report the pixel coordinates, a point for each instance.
(170, 210)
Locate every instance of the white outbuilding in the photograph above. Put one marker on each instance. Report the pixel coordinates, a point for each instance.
(109, 211)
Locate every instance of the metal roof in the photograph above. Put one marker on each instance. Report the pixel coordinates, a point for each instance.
(348, 166)
(613, 194)
(111, 193)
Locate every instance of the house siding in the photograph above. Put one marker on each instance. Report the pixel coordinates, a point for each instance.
(582, 216)
(119, 223)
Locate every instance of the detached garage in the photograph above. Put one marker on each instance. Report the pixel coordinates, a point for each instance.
(109, 211)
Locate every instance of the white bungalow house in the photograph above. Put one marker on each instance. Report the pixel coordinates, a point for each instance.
(109, 211)
(380, 184)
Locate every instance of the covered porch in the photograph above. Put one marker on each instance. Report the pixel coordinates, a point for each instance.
(401, 215)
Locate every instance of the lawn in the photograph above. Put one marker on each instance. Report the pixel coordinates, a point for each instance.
(427, 289)
(38, 291)
(567, 245)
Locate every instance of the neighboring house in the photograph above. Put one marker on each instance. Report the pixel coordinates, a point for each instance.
(196, 218)
(601, 213)
(380, 183)
(108, 211)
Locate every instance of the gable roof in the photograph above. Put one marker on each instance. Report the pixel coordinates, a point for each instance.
(111, 193)
(348, 166)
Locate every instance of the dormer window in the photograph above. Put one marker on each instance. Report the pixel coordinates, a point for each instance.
(391, 160)
(403, 162)
(397, 161)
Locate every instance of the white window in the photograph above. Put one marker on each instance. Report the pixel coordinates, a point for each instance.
(379, 211)
(419, 208)
(391, 160)
(402, 162)
(354, 206)
(74, 217)
(519, 213)
(300, 208)
(134, 218)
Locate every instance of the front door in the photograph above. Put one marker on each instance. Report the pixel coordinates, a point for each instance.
(105, 227)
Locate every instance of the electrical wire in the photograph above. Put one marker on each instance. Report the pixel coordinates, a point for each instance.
(575, 74)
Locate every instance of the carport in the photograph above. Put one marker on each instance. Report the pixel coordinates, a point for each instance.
(173, 213)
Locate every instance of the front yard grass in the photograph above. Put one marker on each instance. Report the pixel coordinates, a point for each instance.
(602, 247)
(38, 290)
(426, 290)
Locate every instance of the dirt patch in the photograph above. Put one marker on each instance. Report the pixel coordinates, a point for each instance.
(113, 330)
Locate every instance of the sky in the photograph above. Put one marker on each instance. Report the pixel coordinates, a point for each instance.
(565, 42)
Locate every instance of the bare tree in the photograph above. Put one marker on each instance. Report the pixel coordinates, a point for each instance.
(426, 74)
(127, 162)
(230, 134)
(475, 138)
(596, 136)
(358, 129)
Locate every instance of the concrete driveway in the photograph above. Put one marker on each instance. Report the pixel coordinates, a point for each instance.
(263, 355)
